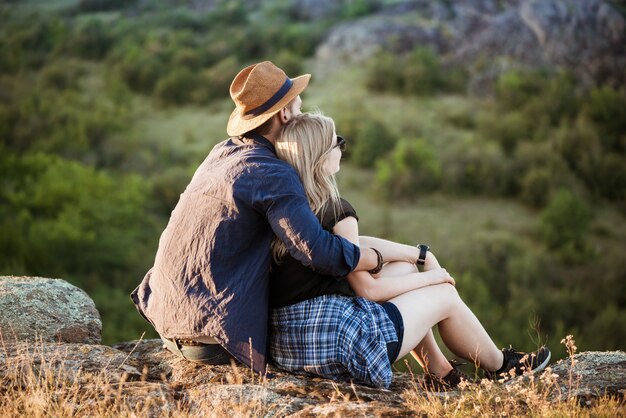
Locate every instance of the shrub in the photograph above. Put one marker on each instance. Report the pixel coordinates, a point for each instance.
(383, 73)
(90, 40)
(61, 75)
(536, 187)
(418, 73)
(515, 88)
(409, 170)
(607, 109)
(476, 167)
(176, 87)
(371, 141)
(422, 73)
(564, 224)
(214, 83)
(86, 6)
(507, 130)
(139, 69)
(289, 62)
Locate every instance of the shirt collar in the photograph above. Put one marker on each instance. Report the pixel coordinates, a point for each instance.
(261, 140)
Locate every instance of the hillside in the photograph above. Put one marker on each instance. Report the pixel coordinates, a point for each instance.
(494, 131)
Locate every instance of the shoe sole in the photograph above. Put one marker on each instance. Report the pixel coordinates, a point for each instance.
(532, 372)
(542, 365)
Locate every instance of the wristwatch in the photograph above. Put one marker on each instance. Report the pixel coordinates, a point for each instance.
(423, 251)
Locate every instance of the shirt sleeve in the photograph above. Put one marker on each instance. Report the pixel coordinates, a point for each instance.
(282, 199)
(331, 218)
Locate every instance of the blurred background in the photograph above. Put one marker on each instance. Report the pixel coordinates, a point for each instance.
(493, 130)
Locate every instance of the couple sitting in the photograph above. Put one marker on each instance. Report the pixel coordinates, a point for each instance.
(261, 237)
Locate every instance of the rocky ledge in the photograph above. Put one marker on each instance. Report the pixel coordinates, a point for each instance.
(143, 374)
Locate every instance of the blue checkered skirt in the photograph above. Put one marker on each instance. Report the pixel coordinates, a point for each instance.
(338, 337)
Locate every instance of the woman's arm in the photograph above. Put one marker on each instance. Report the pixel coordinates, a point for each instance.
(393, 251)
(385, 287)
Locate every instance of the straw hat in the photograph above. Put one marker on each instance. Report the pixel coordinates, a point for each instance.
(259, 92)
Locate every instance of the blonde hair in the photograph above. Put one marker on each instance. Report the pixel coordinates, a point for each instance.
(305, 143)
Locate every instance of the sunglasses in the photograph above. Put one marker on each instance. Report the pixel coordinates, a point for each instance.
(341, 143)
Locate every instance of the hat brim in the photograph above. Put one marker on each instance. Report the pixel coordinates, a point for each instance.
(239, 124)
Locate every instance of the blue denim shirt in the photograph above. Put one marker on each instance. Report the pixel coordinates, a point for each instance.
(211, 271)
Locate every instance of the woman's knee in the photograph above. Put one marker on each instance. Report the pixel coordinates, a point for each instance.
(448, 291)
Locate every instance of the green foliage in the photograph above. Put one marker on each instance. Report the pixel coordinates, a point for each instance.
(85, 6)
(61, 76)
(565, 224)
(476, 167)
(176, 87)
(215, 82)
(356, 8)
(371, 141)
(417, 73)
(607, 109)
(90, 40)
(410, 170)
(536, 187)
(123, 322)
(63, 218)
(507, 129)
(581, 146)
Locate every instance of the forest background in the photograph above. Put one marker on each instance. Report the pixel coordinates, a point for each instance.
(108, 106)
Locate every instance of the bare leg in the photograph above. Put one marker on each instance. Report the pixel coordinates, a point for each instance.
(427, 352)
(460, 330)
(429, 356)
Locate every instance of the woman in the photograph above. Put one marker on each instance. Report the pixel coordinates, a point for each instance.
(355, 328)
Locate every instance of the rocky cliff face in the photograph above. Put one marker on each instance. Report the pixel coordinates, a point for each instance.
(144, 376)
(586, 37)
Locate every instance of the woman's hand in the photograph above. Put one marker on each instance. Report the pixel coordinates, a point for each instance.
(431, 262)
(440, 275)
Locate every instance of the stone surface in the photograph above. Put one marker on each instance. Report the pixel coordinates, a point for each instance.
(590, 375)
(41, 309)
(145, 376)
(594, 375)
(77, 363)
(586, 37)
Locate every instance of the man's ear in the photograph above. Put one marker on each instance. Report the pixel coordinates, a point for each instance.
(284, 115)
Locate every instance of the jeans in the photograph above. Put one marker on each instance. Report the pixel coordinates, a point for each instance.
(205, 354)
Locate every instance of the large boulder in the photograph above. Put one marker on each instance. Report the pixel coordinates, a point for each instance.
(37, 309)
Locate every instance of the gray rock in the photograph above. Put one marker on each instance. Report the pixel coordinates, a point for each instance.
(590, 375)
(586, 37)
(73, 363)
(143, 376)
(48, 310)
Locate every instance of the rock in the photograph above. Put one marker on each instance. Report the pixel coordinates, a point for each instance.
(49, 310)
(586, 37)
(143, 377)
(590, 375)
(76, 363)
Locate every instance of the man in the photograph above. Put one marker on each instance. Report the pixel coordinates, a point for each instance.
(207, 293)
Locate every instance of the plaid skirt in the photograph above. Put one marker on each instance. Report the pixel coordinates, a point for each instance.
(334, 336)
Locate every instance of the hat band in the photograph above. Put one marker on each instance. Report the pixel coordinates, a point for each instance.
(272, 100)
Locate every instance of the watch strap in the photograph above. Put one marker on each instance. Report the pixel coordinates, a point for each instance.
(421, 259)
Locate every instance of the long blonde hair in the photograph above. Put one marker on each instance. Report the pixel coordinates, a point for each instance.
(305, 142)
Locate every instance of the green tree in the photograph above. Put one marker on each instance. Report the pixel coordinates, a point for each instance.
(409, 170)
(565, 223)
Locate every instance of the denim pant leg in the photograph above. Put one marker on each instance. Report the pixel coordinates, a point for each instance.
(205, 354)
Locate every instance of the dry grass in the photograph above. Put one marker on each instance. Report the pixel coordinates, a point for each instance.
(33, 386)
